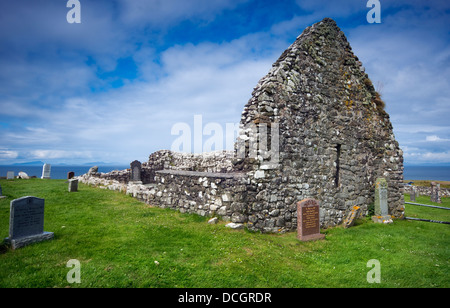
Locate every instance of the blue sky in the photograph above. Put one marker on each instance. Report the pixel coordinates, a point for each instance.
(111, 88)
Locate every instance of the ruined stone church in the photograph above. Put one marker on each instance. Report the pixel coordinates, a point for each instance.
(326, 134)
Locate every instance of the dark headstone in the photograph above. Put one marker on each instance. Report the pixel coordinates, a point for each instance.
(26, 222)
(308, 220)
(70, 175)
(73, 185)
(135, 175)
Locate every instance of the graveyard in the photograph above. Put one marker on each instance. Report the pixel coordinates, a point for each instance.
(122, 242)
(324, 206)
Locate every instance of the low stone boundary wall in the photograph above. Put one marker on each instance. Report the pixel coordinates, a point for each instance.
(202, 193)
(426, 191)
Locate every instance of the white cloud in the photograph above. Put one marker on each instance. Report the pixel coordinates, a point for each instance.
(56, 154)
(5, 154)
(435, 138)
(427, 157)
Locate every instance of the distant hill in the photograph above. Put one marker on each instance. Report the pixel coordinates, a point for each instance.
(31, 163)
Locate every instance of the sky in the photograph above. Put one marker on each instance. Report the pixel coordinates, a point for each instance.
(113, 87)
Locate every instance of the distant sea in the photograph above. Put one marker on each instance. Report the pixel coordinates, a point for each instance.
(438, 173)
(57, 172)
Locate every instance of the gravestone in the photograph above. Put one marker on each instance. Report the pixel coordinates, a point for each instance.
(70, 175)
(73, 185)
(46, 171)
(1, 196)
(308, 220)
(381, 202)
(354, 214)
(10, 175)
(412, 194)
(435, 195)
(135, 175)
(26, 222)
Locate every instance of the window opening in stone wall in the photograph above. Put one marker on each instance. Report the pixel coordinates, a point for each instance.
(338, 156)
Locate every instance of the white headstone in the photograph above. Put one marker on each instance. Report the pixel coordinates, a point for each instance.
(10, 175)
(46, 171)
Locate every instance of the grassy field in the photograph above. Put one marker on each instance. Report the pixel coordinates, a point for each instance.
(121, 242)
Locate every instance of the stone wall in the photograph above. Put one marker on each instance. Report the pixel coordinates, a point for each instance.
(426, 191)
(335, 138)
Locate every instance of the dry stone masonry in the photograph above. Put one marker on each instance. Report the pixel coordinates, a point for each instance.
(314, 128)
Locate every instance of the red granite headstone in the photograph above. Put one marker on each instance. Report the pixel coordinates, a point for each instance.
(308, 222)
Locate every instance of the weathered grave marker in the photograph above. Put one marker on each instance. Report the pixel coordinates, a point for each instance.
(381, 202)
(435, 195)
(308, 220)
(26, 222)
(354, 214)
(412, 194)
(10, 175)
(136, 168)
(73, 185)
(46, 171)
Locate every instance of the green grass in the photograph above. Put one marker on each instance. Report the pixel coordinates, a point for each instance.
(427, 212)
(118, 239)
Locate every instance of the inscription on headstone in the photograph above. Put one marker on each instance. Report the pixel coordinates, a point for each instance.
(136, 169)
(381, 202)
(26, 222)
(10, 175)
(46, 171)
(308, 220)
